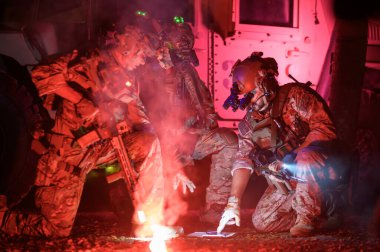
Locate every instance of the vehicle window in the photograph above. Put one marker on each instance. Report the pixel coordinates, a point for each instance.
(49, 8)
(267, 12)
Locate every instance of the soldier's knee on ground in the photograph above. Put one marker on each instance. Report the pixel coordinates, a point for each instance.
(59, 207)
(275, 225)
(258, 223)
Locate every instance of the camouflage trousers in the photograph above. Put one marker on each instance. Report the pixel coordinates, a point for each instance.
(276, 211)
(60, 182)
(320, 197)
(222, 145)
(180, 150)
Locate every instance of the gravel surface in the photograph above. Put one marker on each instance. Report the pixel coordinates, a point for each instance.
(101, 231)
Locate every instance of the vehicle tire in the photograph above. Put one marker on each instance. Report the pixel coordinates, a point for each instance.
(20, 109)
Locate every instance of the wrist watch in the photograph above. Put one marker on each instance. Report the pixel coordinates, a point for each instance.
(233, 200)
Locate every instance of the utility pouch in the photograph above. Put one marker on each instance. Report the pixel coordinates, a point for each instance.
(88, 139)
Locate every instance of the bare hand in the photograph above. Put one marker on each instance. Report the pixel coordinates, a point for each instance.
(185, 181)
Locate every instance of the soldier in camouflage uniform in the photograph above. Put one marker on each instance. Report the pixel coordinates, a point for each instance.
(89, 95)
(293, 120)
(183, 114)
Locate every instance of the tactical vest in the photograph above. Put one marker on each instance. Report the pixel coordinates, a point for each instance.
(271, 133)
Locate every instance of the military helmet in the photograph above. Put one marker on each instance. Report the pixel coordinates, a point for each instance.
(180, 36)
(255, 71)
(255, 77)
(179, 39)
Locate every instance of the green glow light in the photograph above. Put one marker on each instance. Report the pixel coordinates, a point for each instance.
(178, 20)
(112, 169)
(141, 13)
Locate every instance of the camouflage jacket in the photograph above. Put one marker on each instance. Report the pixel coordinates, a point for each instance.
(304, 112)
(91, 83)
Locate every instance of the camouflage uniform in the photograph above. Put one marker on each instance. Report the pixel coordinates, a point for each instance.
(305, 114)
(63, 166)
(182, 111)
(220, 143)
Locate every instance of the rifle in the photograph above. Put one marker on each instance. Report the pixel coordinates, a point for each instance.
(127, 172)
(283, 174)
(262, 159)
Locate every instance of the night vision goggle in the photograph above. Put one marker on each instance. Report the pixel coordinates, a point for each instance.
(141, 13)
(233, 100)
(178, 20)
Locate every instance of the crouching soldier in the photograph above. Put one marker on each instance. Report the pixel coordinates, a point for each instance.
(95, 103)
(187, 124)
(288, 135)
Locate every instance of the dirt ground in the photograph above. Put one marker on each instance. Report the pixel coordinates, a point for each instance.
(101, 231)
(96, 228)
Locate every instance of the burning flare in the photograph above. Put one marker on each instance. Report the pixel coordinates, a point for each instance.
(158, 241)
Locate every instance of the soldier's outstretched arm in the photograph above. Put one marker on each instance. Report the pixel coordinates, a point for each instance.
(239, 182)
(231, 214)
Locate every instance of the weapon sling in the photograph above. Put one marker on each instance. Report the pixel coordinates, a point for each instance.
(278, 104)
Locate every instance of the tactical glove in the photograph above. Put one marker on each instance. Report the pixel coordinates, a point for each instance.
(231, 214)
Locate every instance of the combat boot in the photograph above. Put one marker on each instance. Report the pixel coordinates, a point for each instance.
(303, 227)
(331, 223)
